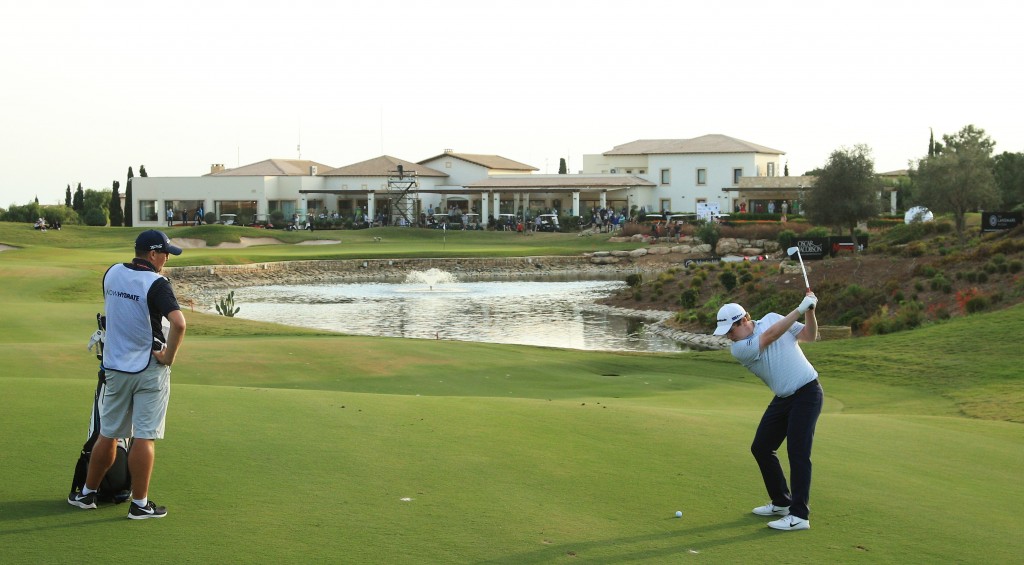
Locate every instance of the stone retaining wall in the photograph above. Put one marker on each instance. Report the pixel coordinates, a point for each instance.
(382, 270)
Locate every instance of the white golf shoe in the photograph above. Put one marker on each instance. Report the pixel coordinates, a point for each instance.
(771, 510)
(790, 523)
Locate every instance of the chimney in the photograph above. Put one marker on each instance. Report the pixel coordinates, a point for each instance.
(312, 170)
(216, 168)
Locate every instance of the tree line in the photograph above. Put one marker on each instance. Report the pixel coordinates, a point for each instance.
(957, 175)
(81, 206)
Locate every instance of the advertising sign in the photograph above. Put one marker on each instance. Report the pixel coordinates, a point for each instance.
(997, 221)
(813, 247)
(821, 247)
(840, 243)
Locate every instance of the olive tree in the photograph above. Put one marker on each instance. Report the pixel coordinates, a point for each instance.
(958, 179)
(846, 191)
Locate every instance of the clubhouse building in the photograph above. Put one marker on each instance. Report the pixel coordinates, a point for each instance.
(677, 175)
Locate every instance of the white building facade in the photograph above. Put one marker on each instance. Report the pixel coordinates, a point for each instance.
(675, 175)
(688, 173)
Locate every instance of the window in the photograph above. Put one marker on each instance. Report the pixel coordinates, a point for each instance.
(702, 176)
(665, 205)
(666, 176)
(147, 210)
(244, 210)
(736, 174)
(771, 169)
(286, 207)
(643, 171)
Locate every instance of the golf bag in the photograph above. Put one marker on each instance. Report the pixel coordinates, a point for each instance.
(117, 483)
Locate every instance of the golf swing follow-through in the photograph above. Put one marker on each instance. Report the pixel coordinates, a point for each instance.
(770, 349)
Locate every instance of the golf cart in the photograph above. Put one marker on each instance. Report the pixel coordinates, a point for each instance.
(261, 221)
(682, 218)
(438, 221)
(472, 222)
(547, 223)
(507, 222)
(228, 219)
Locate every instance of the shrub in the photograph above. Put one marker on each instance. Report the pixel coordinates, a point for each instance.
(786, 238)
(977, 304)
(1014, 266)
(728, 280)
(709, 233)
(926, 271)
(915, 249)
(909, 315)
(939, 282)
(688, 299)
(634, 280)
(95, 217)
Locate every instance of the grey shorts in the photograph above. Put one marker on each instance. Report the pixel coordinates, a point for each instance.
(135, 405)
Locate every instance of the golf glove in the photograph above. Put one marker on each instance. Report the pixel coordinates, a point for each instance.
(807, 304)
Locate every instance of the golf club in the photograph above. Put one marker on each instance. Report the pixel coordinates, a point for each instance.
(796, 250)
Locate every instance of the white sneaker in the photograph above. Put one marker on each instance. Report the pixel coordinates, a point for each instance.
(790, 523)
(771, 510)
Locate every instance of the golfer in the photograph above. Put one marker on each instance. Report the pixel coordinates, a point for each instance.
(137, 360)
(770, 348)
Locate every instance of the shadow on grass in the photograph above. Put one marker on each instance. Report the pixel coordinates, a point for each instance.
(685, 540)
(52, 510)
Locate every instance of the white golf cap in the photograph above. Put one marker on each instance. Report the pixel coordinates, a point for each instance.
(727, 316)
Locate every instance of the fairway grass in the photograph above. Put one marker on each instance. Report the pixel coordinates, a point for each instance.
(286, 445)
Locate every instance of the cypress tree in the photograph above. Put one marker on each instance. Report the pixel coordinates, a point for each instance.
(67, 197)
(116, 215)
(562, 169)
(78, 204)
(128, 205)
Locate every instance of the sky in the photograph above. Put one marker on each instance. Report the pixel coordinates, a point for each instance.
(88, 89)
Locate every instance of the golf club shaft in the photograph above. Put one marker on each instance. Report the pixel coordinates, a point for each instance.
(804, 270)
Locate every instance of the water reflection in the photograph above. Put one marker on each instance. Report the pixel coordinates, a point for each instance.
(544, 313)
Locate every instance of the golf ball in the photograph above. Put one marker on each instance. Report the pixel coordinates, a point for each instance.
(679, 513)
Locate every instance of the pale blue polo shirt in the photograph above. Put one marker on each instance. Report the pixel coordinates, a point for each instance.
(782, 365)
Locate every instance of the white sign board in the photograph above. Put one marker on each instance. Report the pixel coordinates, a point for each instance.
(708, 212)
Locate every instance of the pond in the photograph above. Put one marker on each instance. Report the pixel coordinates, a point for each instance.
(436, 305)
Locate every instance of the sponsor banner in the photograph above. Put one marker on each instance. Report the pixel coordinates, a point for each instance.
(813, 247)
(998, 221)
(841, 243)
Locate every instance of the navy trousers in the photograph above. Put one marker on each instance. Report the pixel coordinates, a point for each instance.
(791, 419)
